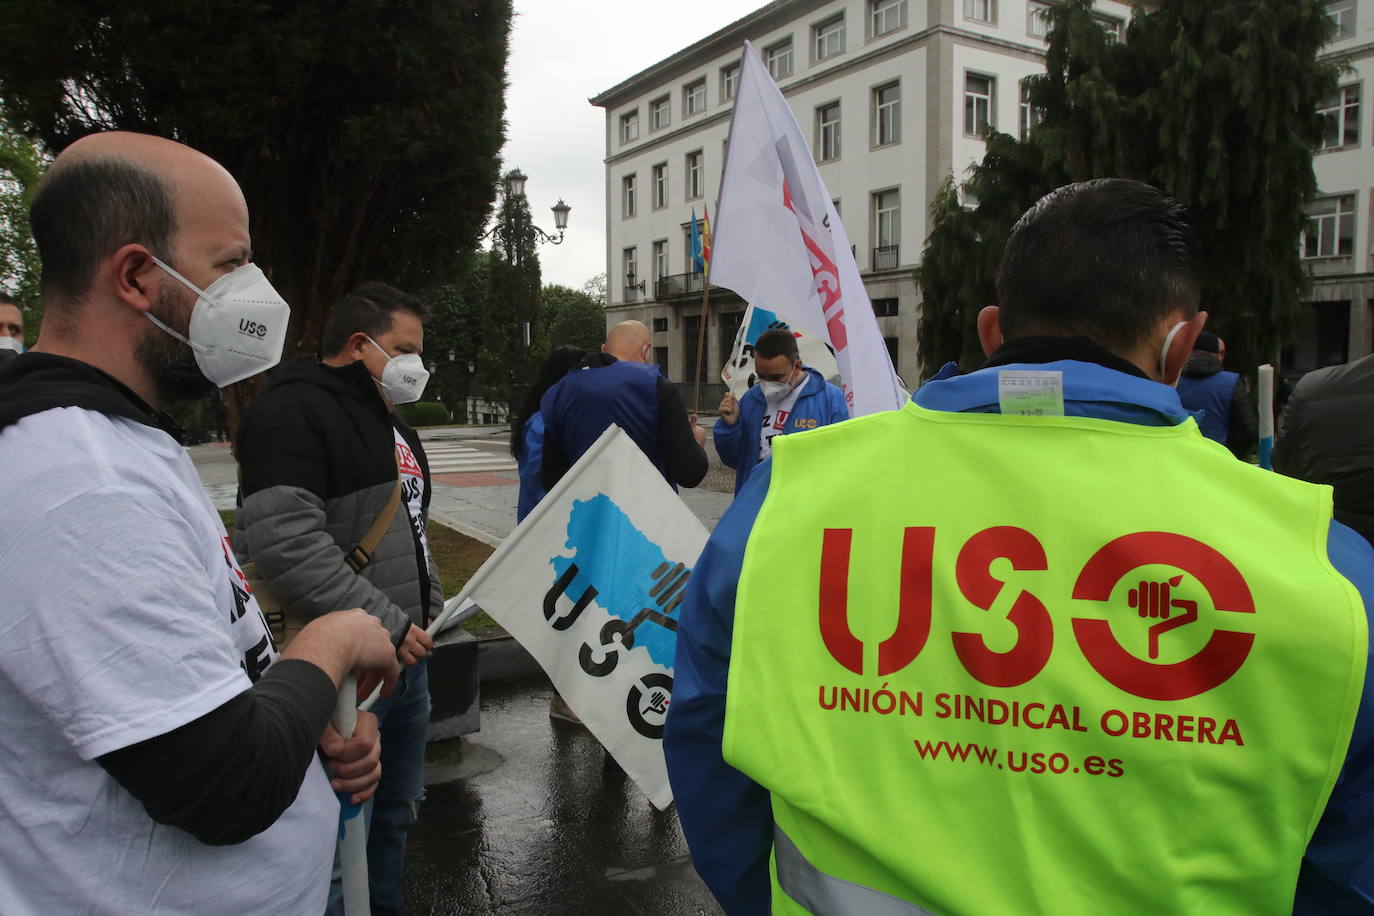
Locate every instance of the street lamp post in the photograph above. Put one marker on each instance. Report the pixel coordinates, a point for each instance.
(517, 230)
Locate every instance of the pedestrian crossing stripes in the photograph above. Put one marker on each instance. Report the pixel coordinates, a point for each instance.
(451, 457)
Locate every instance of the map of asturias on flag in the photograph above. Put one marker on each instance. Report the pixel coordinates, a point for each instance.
(590, 583)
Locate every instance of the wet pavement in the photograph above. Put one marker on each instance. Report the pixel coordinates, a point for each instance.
(522, 819)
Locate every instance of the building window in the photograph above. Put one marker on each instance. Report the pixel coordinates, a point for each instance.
(887, 111)
(1037, 19)
(659, 115)
(688, 266)
(828, 131)
(630, 262)
(696, 175)
(629, 204)
(1341, 119)
(977, 103)
(629, 127)
(887, 213)
(968, 198)
(1342, 12)
(1110, 24)
(891, 350)
(1330, 230)
(888, 16)
(694, 98)
(661, 354)
(981, 10)
(660, 190)
(885, 308)
(1027, 114)
(729, 82)
(660, 325)
(836, 204)
(829, 37)
(779, 59)
(660, 271)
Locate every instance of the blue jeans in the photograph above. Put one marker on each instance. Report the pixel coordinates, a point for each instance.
(404, 720)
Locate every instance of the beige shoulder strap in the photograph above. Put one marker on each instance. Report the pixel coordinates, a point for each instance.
(361, 555)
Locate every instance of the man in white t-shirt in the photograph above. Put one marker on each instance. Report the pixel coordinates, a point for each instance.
(159, 755)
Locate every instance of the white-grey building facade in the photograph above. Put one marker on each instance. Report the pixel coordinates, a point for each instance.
(892, 95)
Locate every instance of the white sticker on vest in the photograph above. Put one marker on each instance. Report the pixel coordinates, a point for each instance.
(1037, 393)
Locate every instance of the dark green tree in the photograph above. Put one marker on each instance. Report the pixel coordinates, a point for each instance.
(513, 333)
(364, 133)
(453, 331)
(572, 318)
(1215, 103)
(21, 165)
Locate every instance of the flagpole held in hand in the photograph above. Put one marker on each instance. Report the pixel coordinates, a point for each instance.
(352, 827)
(1266, 417)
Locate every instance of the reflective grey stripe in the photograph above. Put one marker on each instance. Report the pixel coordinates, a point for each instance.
(826, 895)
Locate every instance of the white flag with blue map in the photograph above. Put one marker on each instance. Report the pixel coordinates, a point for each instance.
(590, 584)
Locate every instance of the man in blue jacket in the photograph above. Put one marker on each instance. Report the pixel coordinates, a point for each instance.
(788, 397)
(620, 385)
(1106, 328)
(1217, 399)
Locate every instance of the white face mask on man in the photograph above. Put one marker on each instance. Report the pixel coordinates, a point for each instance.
(1164, 354)
(776, 391)
(238, 324)
(404, 378)
(9, 343)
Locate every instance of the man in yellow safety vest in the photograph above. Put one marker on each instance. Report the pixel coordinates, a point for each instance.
(1032, 643)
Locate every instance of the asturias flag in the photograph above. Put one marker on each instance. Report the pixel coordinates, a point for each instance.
(590, 584)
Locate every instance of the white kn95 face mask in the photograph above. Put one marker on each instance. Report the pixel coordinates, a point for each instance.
(238, 324)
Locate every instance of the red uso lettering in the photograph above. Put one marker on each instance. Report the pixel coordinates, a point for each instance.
(913, 608)
(1213, 664)
(1222, 656)
(1034, 629)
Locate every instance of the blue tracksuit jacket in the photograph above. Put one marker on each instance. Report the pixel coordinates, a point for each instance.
(819, 404)
(728, 819)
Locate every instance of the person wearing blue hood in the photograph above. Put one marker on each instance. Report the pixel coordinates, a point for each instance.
(788, 397)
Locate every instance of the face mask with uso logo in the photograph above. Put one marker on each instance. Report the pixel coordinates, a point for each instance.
(404, 377)
(238, 324)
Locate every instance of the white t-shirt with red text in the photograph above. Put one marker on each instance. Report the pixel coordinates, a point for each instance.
(123, 615)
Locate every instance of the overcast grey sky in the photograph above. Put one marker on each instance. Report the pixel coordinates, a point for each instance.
(562, 53)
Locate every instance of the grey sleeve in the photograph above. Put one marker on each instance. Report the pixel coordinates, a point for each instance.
(286, 538)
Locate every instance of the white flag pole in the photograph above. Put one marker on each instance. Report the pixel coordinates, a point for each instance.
(353, 842)
(1266, 417)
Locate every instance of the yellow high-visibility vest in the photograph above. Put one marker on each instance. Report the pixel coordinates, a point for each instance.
(996, 664)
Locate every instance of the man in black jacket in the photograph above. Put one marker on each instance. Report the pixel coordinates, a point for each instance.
(320, 453)
(160, 756)
(1325, 436)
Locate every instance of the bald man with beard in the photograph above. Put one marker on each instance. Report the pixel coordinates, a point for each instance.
(620, 385)
(159, 754)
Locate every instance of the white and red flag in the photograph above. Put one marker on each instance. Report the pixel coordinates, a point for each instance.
(779, 243)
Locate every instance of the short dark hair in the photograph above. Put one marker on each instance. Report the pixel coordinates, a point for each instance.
(774, 343)
(556, 365)
(1208, 342)
(7, 299)
(1103, 259)
(368, 309)
(88, 209)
